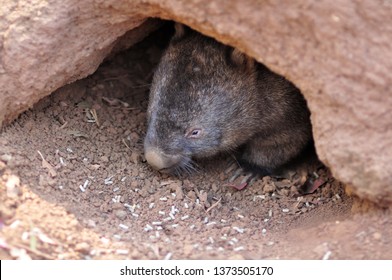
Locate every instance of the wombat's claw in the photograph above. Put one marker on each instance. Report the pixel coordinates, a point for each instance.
(237, 174)
(231, 167)
(248, 180)
(251, 178)
(311, 185)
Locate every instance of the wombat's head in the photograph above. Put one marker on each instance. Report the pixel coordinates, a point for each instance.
(197, 101)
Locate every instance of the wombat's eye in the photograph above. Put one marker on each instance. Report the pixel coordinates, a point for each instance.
(194, 133)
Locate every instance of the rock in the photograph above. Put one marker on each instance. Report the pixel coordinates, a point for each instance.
(134, 184)
(121, 214)
(6, 158)
(179, 191)
(104, 159)
(337, 53)
(91, 223)
(135, 157)
(269, 188)
(12, 184)
(83, 248)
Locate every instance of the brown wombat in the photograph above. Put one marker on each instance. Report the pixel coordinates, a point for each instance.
(207, 98)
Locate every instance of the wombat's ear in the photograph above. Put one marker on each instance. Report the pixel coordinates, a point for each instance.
(241, 59)
(180, 30)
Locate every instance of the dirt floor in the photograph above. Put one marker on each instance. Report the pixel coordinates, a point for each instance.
(74, 185)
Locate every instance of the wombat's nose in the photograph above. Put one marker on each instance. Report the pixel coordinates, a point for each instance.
(154, 158)
(158, 160)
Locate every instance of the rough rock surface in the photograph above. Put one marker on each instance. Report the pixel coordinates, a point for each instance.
(337, 53)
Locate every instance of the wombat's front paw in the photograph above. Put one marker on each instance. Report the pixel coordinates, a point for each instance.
(248, 177)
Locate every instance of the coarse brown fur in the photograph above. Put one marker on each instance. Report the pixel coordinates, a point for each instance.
(208, 98)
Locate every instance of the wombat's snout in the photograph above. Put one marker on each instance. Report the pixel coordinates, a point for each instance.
(159, 160)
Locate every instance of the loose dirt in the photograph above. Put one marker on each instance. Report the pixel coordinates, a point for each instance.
(74, 185)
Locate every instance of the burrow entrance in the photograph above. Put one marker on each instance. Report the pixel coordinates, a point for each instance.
(86, 191)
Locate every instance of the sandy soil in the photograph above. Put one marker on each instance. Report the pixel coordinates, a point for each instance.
(74, 185)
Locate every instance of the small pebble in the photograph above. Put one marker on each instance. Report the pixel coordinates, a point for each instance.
(239, 230)
(148, 228)
(117, 236)
(121, 214)
(240, 248)
(168, 256)
(104, 159)
(125, 227)
(83, 248)
(269, 188)
(91, 223)
(122, 252)
(327, 255)
(377, 235)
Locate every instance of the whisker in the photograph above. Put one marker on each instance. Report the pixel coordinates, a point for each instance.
(177, 172)
(193, 167)
(187, 167)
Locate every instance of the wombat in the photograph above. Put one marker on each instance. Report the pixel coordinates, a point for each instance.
(207, 98)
